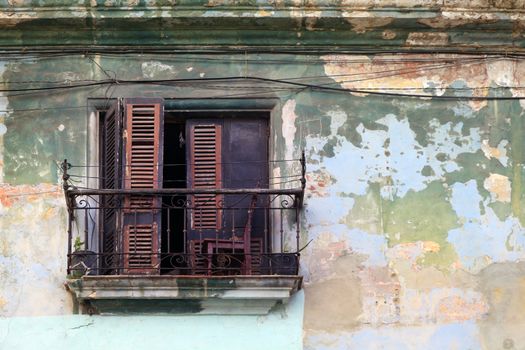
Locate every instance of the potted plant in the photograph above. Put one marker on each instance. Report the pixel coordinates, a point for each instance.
(83, 261)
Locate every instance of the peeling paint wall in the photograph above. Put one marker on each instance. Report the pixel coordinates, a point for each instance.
(413, 206)
(414, 223)
(421, 209)
(402, 25)
(33, 251)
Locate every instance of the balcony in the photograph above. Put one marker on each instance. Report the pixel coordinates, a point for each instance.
(161, 248)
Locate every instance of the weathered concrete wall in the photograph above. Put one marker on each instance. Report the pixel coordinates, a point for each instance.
(406, 25)
(415, 209)
(414, 205)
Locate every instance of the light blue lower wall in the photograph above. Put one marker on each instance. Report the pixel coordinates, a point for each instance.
(281, 329)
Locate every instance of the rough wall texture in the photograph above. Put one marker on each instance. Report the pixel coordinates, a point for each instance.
(425, 212)
(339, 24)
(414, 206)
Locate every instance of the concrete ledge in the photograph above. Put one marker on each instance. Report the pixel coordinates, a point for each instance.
(214, 295)
(166, 5)
(334, 25)
(190, 12)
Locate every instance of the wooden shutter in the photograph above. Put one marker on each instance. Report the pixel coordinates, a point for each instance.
(141, 243)
(143, 137)
(110, 171)
(205, 172)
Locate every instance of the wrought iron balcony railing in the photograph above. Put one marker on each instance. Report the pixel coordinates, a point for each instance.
(183, 231)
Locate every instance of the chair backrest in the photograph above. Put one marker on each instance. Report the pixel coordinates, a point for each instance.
(248, 226)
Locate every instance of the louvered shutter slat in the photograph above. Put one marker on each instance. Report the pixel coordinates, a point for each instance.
(143, 171)
(206, 173)
(110, 179)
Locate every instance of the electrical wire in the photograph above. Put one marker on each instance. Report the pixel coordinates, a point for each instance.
(40, 109)
(277, 81)
(61, 51)
(189, 58)
(446, 63)
(289, 81)
(434, 65)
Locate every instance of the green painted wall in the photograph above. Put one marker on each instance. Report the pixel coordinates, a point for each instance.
(413, 205)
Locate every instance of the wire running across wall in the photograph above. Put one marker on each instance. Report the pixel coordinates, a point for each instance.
(318, 87)
(388, 65)
(292, 166)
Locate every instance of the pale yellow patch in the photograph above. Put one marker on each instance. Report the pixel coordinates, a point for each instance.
(49, 213)
(263, 13)
(413, 74)
(431, 246)
(454, 19)
(412, 250)
(497, 295)
(363, 21)
(489, 152)
(455, 308)
(499, 153)
(450, 304)
(3, 302)
(499, 186)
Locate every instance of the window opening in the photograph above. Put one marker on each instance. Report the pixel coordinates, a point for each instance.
(185, 193)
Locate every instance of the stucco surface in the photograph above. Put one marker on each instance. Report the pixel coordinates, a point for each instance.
(280, 330)
(414, 206)
(337, 24)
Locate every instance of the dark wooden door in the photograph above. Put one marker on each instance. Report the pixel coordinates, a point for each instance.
(239, 148)
(245, 165)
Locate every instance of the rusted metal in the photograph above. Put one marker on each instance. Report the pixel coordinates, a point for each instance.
(221, 251)
(303, 178)
(65, 185)
(241, 248)
(247, 240)
(213, 264)
(293, 192)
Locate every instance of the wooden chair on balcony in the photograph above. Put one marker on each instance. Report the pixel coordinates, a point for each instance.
(207, 254)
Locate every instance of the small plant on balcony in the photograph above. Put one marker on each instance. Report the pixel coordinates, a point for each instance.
(82, 261)
(78, 244)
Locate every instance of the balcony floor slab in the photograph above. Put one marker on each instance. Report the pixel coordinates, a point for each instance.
(206, 295)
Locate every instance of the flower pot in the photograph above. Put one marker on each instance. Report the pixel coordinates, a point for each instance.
(83, 262)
